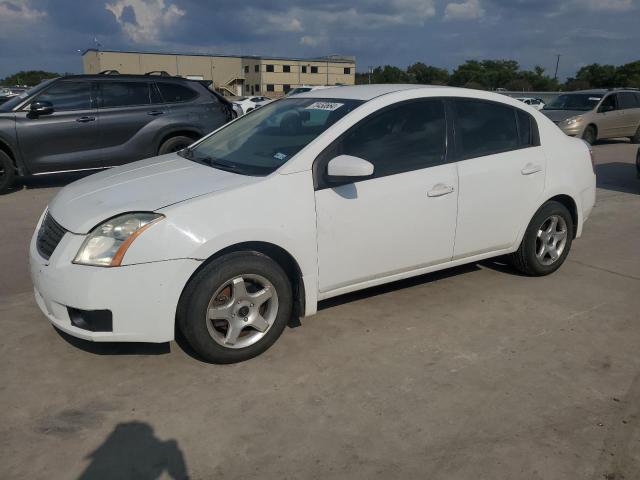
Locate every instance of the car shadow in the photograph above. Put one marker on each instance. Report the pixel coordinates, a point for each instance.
(115, 348)
(618, 177)
(48, 181)
(132, 450)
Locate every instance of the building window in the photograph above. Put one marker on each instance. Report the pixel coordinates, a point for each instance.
(246, 87)
(347, 71)
(314, 69)
(257, 87)
(286, 68)
(246, 69)
(286, 87)
(270, 87)
(304, 69)
(257, 68)
(270, 68)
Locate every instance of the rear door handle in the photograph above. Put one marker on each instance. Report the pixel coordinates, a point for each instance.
(530, 168)
(439, 190)
(85, 119)
(155, 113)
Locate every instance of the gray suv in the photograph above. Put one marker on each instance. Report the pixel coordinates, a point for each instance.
(85, 122)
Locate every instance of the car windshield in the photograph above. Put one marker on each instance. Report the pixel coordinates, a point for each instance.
(10, 104)
(266, 138)
(575, 101)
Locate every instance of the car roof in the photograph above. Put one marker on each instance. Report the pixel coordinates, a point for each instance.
(99, 76)
(360, 92)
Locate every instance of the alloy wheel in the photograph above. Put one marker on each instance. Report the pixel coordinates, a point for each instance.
(551, 240)
(241, 311)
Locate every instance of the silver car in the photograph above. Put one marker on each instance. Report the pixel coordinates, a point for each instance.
(597, 114)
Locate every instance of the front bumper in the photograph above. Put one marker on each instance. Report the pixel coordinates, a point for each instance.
(575, 130)
(142, 298)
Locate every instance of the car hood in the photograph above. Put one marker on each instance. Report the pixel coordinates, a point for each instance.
(560, 115)
(143, 186)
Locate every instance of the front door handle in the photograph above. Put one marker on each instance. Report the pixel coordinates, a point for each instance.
(155, 113)
(85, 119)
(530, 168)
(439, 190)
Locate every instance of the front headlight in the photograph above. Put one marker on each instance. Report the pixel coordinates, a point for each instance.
(573, 121)
(106, 244)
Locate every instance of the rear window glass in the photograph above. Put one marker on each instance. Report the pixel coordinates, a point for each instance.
(122, 94)
(627, 100)
(483, 128)
(524, 128)
(174, 93)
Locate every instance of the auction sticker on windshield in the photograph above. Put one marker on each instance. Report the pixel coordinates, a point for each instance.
(330, 106)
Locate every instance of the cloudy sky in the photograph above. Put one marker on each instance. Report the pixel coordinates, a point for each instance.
(47, 34)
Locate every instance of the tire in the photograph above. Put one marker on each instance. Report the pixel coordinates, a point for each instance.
(636, 137)
(174, 144)
(590, 135)
(234, 290)
(535, 256)
(7, 172)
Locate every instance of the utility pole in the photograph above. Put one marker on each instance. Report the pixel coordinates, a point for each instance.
(370, 72)
(555, 76)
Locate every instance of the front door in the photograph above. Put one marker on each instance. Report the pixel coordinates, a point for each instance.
(66, 139)
(403, 217)
(610, 118)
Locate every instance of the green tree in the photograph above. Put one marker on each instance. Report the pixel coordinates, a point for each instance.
(28, 77)
(598, 76)
(573, 84)
(427, 74)
(470, 71)
(389, 74)
(628, 75)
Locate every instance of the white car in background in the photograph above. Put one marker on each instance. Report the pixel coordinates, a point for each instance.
(536, 103)
(246, 104)
(307, 198)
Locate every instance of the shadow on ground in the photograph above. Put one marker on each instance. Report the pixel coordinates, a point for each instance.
(48, 181)
(132, 451)
(116, 348)
(618, 176)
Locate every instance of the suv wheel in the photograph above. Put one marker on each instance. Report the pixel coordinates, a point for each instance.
(174, 144)
(590, 135)
(236, 307)
(7, 172)
(636, 137)
(546, 242)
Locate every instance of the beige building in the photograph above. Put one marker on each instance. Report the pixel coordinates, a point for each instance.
(231, 75)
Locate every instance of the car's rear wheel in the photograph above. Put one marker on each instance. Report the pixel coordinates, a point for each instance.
(7, 172)
(546, 242)
(236, 307)
(174, 144)
(590, 135)
(636, 137)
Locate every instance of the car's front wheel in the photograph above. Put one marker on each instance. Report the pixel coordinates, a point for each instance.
(546, 242)
(236, 307)
(636, 137)
(174, 144)
(7, 172)
(590, 135)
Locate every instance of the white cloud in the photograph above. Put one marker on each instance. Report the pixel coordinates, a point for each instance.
(310, 41)
(151, 17)
(469, 10)
(15, 16)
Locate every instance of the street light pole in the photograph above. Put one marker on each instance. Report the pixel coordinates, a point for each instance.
(555, 76)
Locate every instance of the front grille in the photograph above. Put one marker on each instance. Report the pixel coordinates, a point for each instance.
(49, 236)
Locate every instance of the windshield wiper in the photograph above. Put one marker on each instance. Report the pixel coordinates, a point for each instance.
(220, 164)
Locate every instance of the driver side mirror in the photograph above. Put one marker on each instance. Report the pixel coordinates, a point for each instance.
(606, 108)
(41, 108)
(348, 169)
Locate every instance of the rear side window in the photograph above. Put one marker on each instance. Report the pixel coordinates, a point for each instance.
(484, 128)
(68, 96)
(125, 94)
(627, 100)
(407, 137)
(175, 93)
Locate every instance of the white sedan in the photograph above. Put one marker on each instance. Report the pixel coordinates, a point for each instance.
(536, 103)
(305, 199)
(247, 104)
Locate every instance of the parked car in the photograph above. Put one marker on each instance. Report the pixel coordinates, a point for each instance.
(85, 122)
(597, 114)
(536, 103)
(251, 226)
(6, 92)
(247, 104)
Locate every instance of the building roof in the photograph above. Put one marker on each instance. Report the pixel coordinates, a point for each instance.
(328, 58)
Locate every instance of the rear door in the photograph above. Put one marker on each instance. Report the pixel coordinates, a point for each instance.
(66, 139)
(128, 111)
(501, 169)
(629, 103)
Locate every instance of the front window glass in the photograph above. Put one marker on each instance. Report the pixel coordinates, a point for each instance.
(13, 102)
(575, 101)
(265, 139)
(68, 96)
